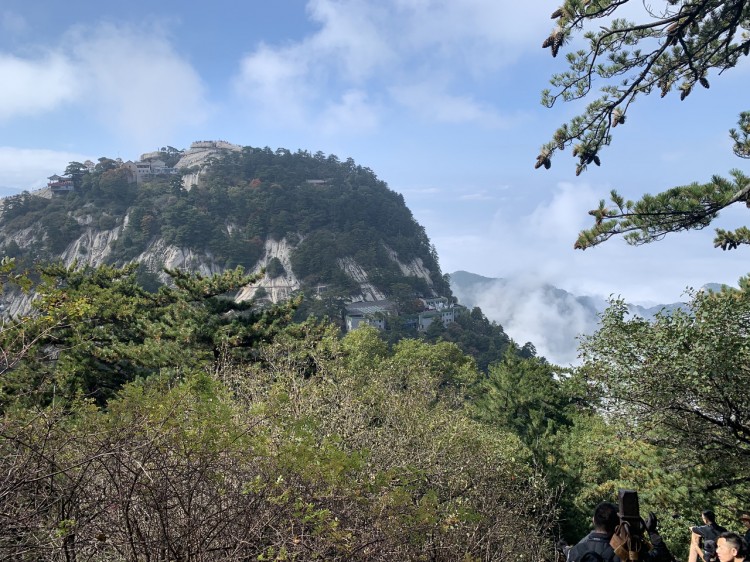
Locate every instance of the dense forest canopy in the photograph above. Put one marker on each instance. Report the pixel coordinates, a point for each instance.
(200, 428)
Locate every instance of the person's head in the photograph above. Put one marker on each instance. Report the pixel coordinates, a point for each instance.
(709, 550)
(606, 518)
(745, 519)
(708, 516)
(730, 547)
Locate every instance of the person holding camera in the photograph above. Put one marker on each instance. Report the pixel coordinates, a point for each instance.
(596, 545)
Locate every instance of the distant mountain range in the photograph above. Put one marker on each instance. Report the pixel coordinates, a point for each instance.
(549, 317)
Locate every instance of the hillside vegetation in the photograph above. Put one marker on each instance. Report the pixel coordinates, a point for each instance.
(324, 209)
(150, 421)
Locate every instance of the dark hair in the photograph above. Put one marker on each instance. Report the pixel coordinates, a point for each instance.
(710, 515)
(605, 517)
(735, 541)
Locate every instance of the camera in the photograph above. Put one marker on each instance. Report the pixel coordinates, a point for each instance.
(630, 512)
(627, 540)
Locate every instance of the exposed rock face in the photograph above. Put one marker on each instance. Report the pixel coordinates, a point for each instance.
(160, 255)
(414, 269)
(24, 237)
(355, 271)
(198, 155)
(279, 288)
(92, 248)
(95, 245)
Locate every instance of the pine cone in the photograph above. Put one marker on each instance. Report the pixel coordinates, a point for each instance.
(557, 42)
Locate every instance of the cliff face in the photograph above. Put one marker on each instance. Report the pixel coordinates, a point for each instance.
(94, 247)
(324, 226)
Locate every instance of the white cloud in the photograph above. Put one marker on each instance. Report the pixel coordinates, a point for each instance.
(354, 36)
(133, 81)
(431, 103)
(289, 84)
(274, 83)
(481, 35)
(28, 169)
(136, 82)
(352, 113)
(34, 86)
(389, 49)
(539, 243)
(477, 196)
(565, 215)
(530, 311)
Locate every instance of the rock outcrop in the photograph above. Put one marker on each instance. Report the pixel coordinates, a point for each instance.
(100, 233)
(358, 274)
(279, 288)
(198, 155)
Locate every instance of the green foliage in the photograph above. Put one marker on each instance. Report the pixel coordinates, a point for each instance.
(95, 329)
(101, 197)
(275, 268)
(330, 210)
(674, 50)
(10, 274)
(474, 334)
(741, 136)
(528, 397)
(316, 453)
(680, 382)
(596, 458)
(690, 207)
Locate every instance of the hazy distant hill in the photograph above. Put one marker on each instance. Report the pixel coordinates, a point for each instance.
(549, 317)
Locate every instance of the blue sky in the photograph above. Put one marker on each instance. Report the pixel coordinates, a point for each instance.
(439, 98)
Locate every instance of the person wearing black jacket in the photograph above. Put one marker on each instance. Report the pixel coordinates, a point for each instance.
(703, 537)
(596, 542)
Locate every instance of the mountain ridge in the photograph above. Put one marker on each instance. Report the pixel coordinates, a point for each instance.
(328, 226)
